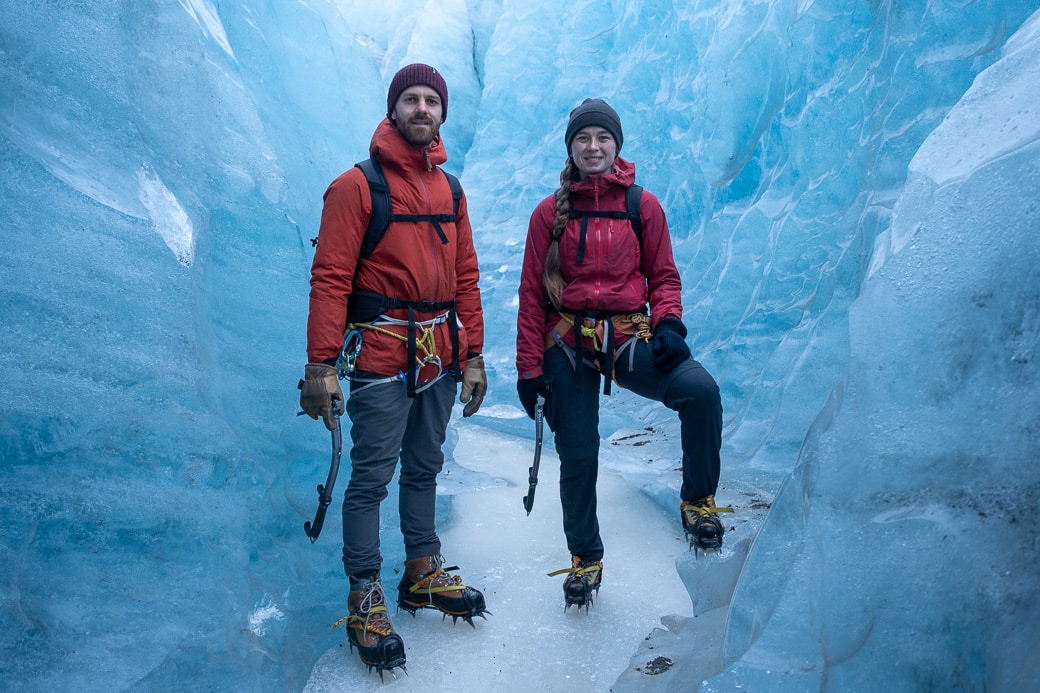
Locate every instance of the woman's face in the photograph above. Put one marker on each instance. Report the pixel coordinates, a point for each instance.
(593, 150)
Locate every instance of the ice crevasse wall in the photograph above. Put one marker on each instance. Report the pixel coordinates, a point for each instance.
(852, 191)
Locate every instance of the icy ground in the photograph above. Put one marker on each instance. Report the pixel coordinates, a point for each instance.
(531, 642)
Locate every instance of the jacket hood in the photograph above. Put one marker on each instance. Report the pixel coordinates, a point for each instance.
(624, 175)
(390, 147)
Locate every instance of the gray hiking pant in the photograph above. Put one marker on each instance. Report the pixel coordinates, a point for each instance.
(387, 426)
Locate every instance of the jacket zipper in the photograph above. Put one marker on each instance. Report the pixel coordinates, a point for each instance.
(432, 239)
(599, 244)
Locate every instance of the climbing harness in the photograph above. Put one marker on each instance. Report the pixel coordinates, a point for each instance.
(600, 327)
(422, 350)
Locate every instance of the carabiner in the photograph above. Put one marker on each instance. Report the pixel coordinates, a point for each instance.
(348, 354)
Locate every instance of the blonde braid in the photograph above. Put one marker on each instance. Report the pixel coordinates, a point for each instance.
(552, 280)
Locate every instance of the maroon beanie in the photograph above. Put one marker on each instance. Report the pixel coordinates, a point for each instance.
(409, 76)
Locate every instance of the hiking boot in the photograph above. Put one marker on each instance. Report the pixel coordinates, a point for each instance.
(369, 628)
(583, 578)
(701, 523)
(427, 584)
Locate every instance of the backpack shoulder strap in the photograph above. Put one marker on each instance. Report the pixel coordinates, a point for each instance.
(632, 198)
(381, 214)
(456, 193)
(633, 194)
(380, 218)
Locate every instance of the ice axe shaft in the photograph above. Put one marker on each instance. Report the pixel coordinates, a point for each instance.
(532, 472)
(313, 529)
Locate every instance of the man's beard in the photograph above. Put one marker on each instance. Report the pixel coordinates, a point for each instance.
(419, 137)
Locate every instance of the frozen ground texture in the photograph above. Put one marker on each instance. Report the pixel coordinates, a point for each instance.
(854, 200)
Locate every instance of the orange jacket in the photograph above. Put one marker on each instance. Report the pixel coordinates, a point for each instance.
(410, 263)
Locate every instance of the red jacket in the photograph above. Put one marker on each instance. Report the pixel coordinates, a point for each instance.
(619, 274)
(410, 263)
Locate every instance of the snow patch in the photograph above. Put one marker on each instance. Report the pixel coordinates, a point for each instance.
(170, 219)
(206, 16)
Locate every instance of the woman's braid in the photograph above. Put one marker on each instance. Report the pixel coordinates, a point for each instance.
(551, 277)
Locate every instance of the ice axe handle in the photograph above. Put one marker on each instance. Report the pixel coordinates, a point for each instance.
(532, 472)
(325, 490)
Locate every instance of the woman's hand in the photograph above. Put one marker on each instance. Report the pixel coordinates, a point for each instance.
(669, 345)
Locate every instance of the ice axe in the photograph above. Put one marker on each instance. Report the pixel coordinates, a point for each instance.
(532, 472)
(313, 529)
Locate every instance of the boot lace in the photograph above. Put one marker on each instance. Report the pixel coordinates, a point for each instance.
(370, 615)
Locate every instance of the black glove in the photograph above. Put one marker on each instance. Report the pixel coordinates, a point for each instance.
(669, 345)
(529, 391)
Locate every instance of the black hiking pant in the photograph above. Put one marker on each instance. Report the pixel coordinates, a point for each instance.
(688, 390)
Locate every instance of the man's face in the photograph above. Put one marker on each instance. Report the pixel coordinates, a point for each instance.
(418, 114)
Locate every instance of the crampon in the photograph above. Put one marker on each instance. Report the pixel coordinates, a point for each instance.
(426, 584)
(369, 628)
(702, 525)
(583, 578)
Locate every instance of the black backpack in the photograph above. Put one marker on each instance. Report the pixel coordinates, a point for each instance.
(632, 197)
(381, 216)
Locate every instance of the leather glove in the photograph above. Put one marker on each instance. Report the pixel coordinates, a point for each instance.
(529, 390)
(474, 385)
(319, 392)
(668, 344)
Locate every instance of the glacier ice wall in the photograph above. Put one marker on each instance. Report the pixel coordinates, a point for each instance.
(908, 534)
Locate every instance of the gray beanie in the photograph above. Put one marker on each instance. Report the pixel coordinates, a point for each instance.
(594, 112)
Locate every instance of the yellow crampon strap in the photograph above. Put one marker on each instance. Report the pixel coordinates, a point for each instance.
(579, 572)
(704, 510)
(424, 585)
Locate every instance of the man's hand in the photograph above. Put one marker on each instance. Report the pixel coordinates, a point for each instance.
(474, 385)
(319, 389)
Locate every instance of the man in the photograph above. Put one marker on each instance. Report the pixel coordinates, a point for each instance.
(413, 322)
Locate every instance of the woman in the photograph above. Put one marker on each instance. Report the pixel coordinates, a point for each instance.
(594, 265)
